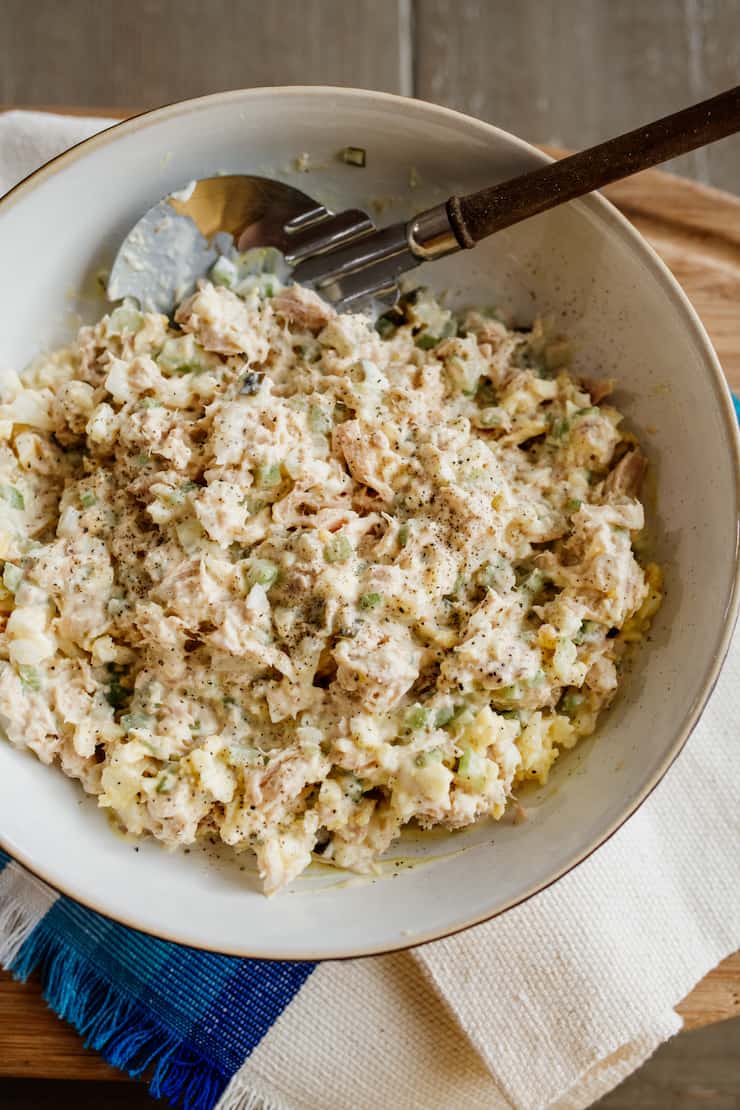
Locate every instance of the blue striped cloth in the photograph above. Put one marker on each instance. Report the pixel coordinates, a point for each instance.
(186, 1019)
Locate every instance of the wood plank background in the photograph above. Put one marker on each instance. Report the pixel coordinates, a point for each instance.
(563, 72)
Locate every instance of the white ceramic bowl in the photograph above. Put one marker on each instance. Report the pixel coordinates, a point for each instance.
(584, 264)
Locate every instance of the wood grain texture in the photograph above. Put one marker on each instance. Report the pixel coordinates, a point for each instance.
(576, 72)
(696, 1071)
(697, 232)
(151, 52)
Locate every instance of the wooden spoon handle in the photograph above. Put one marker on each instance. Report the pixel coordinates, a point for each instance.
(477, 215)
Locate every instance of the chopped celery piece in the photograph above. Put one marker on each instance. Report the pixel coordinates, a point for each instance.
(386, 326)
(223, 272)
(88, 499)
(268, 474)
(135, 720)
(433, 755)
(244, 755)
(560, 428)
(571, 702)
(124, 320)
(416, 717)
(166, 782)
(338, 549)
(354, 156)
(509, 693)
(588, 632)
(150, 403)
(426, 342)
(495, 575)
(13, 496)
(181, 356)
(403, 535)
(371, 601)
(319, 421)
(444, 716)
(535, 581)
(472, 770)
(573, 505)
(12, 576)
(262, 572)
(29, 676)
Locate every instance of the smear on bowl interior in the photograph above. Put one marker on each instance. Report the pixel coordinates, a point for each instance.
(294, 579)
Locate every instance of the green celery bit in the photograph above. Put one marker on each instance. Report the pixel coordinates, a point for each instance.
(433, 755)
(403, 535)
(425, 342)
(416, 717)
(572, 505)
(318, 420)
(338, 549)
(444, 716)
(12, 577)
(386, 326)
(135, 720)
(535, 581)
(493, 575)
(262, 572)
(88, 499)
(166, 782)
(13, 496)
(223, 271)
(354, 156)
(560, 427)
(268, 474)
(571, 702)
(588, 632)
(371, 601)
(244, 755)
(509, 693)
(125, 318)
(472, 770)
(29, 676)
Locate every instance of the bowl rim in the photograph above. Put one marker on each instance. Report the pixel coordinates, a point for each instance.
(658, 271)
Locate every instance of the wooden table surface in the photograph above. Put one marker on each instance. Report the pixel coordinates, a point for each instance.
(696, 230)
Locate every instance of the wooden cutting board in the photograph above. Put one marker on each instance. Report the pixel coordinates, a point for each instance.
(696, 231)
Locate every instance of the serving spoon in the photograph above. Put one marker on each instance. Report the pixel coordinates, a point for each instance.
(344, 256)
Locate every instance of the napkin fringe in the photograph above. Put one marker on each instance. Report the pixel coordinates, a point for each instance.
(126, 1034)
(241, 1097)
(17, 919)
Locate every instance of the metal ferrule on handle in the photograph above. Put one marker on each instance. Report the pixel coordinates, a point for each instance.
(430, 235)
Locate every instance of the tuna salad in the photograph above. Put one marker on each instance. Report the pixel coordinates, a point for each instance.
(294, 579)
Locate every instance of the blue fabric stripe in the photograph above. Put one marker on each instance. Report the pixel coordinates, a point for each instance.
(187, 1018)
(195, 995)
(736, 403)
